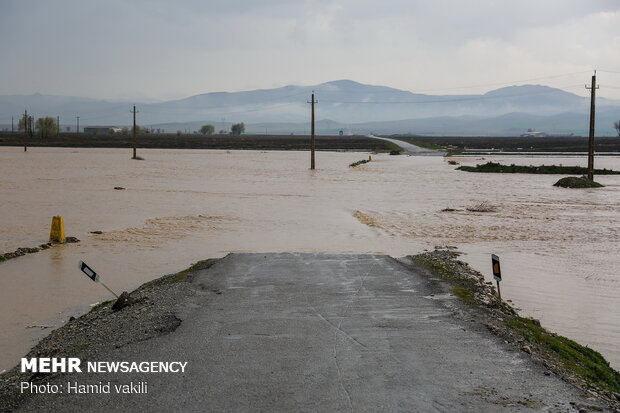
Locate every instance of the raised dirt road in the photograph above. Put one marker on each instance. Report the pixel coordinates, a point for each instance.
(316, 332)
(411, 149)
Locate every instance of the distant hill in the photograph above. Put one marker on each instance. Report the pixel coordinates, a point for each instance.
(343, 104)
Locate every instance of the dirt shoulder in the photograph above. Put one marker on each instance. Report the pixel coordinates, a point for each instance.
(576, 364)
(152, 312)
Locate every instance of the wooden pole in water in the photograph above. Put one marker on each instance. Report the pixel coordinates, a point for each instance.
(312, 140)
(25, 130)
(592, 118)
(134, 132)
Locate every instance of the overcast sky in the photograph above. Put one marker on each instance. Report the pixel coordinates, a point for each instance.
(155, 49)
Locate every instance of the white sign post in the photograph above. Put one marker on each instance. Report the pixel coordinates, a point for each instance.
(90, 273)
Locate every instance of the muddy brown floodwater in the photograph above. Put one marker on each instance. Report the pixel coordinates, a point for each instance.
(558, 247)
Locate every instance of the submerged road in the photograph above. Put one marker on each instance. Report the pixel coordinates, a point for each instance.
(409, 148)
(317, 332)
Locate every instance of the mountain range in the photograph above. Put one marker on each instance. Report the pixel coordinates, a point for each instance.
(342, 105)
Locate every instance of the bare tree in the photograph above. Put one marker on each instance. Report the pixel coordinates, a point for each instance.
(617, 127)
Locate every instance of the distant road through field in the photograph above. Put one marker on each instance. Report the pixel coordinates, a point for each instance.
(409, 148)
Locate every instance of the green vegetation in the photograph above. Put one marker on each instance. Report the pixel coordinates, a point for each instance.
(182, 275)
(207, 129)
(478, 144)
(494, 167)
(354, 164)
(587, 363)
(46, 126)
(237, 129)
(452, 152)
(415, 140)
(575, 182)
(197, 141)
(23, 251)
(465, 294)
(21, 124)
(463, 288)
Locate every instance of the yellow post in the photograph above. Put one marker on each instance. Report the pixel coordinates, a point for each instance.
(369, 158)
(57, 233)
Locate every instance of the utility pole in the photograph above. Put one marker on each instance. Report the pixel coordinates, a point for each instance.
(591, 141)
(77, 131)
(25, 130)
(312, 141)
(134, 132)
(12, 127)
(57, 125)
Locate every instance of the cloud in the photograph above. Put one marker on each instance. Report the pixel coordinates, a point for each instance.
(163, 49)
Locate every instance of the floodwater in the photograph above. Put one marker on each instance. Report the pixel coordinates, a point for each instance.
(558, 247)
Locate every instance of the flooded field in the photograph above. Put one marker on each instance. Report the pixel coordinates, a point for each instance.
(559, 247)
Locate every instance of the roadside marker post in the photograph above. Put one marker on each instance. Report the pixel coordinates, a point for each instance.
(90, 273)
(57, 232)
(497, 272)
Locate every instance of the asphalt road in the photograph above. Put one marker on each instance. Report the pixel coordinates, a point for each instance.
(411, 149)
(316, 332)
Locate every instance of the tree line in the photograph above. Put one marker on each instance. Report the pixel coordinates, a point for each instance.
(236, 129)
(48, 126)
(44, 126)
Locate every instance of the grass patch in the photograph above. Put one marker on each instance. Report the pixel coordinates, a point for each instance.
(182, 275)
(415, 140)
(577, 361)
(452, 152)
(495, 167)
(197, 141)
(575, 182)
(464, 294)
(587, 363)
(358, 163)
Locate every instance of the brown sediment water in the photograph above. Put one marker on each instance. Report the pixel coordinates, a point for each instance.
(558, 247)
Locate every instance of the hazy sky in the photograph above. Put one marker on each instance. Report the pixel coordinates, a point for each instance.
(139, 50)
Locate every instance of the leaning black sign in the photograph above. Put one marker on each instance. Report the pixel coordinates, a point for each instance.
(88, 271)
(497, 272)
